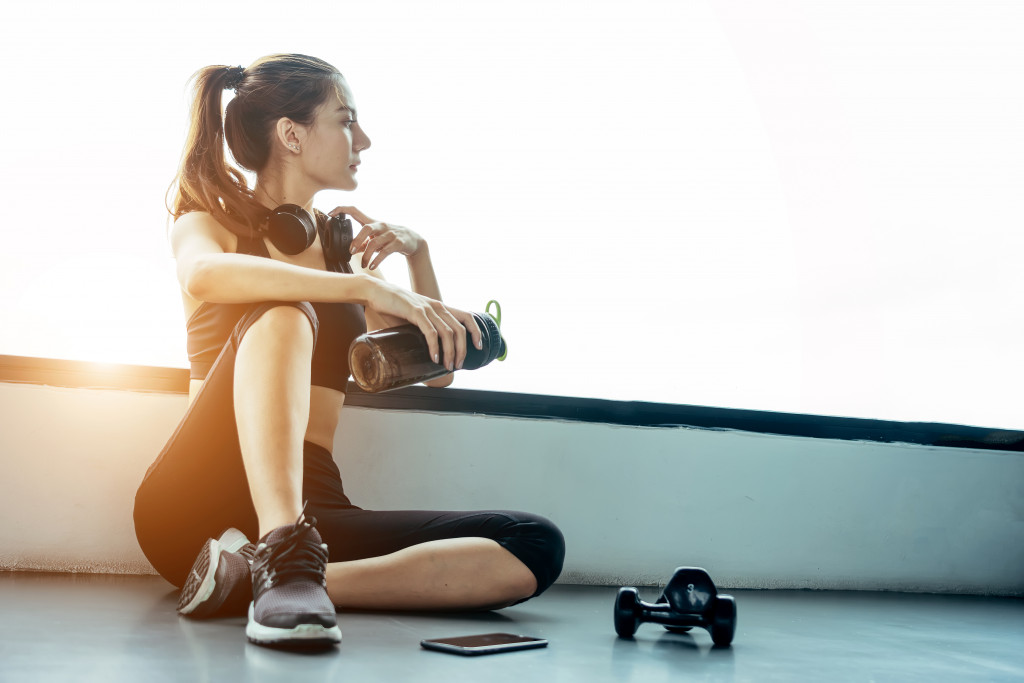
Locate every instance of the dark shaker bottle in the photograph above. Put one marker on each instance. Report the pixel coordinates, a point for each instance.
(399, 356)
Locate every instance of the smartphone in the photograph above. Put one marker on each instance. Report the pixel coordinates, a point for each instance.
(484, 644)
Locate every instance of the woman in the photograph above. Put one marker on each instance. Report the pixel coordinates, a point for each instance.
(268, 334)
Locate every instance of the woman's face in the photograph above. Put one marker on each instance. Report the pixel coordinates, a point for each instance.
(331, 151)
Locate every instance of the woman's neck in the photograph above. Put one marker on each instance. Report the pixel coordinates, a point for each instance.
(273, 190)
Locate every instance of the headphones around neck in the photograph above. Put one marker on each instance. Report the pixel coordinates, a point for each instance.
(292, 231)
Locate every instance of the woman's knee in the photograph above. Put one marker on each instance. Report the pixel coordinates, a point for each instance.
(540, 545)
(291, 326)
(284, 319)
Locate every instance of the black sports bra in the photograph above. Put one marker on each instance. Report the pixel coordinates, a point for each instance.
(211, 325)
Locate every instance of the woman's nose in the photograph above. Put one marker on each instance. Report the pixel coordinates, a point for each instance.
(363, 141)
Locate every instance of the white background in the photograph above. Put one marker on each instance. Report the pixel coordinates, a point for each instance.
(799, 206)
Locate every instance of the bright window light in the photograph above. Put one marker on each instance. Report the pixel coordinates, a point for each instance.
(798, 206)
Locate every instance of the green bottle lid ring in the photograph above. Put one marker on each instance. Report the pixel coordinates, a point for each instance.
(497, 318)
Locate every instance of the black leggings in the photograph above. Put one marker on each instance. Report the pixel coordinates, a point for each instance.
(197, 487)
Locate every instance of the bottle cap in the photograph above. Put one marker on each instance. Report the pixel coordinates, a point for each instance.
(497, 319)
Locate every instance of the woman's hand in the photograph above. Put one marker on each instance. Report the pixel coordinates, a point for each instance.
(443, 326)
(380, 239)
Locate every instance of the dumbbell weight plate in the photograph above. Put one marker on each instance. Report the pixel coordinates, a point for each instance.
(723, 620)
(690, 590)
(626, 617)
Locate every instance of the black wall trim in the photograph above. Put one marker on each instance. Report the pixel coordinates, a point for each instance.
(20, 369)
(642, 414)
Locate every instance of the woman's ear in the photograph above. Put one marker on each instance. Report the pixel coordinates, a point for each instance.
(289, 134)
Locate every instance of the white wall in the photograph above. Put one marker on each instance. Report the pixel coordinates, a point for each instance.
(757, 511)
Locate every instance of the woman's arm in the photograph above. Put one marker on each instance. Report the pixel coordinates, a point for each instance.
(421, 278)
(209, 270)
(424, 281)
(421, 273)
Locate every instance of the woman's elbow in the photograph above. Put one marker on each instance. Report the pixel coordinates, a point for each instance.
(195, 279)
(441, 382)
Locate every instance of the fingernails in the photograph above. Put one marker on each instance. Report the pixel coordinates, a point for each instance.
(435, 359)
(479, 343)
(460, 364)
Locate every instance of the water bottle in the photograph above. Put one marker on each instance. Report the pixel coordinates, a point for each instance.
(399, 356)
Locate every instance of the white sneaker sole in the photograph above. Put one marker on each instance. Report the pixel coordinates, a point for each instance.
(232, 541)
(206, 581)
(301, 635)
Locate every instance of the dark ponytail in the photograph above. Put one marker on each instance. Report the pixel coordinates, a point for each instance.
(276, 86)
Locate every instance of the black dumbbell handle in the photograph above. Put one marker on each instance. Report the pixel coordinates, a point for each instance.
(662, 613)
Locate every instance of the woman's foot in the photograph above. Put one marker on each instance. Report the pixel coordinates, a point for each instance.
(220, 583)
(290, 605)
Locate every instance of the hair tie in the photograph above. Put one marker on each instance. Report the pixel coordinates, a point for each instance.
(234, 77)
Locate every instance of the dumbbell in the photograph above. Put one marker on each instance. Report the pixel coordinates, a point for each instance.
(690, 599)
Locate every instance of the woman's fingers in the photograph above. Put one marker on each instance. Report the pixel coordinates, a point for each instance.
(439, 335)
(354, 212)
(373, 237)
(384, 244)
(469, 322)
(384, 253)
(370, 239)
(458, 335)
(443, 328)
(368, 224)
(447, 335)
(422, 320)
(359, 241)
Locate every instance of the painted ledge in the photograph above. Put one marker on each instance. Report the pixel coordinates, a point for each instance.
(81, 374)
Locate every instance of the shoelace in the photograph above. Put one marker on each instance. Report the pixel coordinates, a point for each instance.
(248, 551)
(296, 556)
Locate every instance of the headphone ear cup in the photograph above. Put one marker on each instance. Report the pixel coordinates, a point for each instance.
(337, 238)
(291, 229)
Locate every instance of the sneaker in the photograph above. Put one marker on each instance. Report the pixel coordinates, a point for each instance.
(289, 583)
(220, 583)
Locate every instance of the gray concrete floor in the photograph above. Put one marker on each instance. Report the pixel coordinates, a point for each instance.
(60, 627)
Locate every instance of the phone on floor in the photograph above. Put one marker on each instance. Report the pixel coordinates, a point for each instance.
(484, 644)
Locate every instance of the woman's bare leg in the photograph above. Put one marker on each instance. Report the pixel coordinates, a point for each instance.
(449, 574)
(271, 394)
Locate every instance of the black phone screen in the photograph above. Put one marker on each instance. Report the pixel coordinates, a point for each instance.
(487, 643)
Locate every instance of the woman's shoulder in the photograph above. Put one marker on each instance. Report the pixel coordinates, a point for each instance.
(202, 220)
(202, 225)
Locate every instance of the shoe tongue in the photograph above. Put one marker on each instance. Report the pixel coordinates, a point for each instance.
(290, 529)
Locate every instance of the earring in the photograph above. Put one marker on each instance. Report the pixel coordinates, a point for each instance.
(294, 146)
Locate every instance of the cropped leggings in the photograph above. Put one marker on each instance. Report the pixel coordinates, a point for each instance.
(197, 488)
